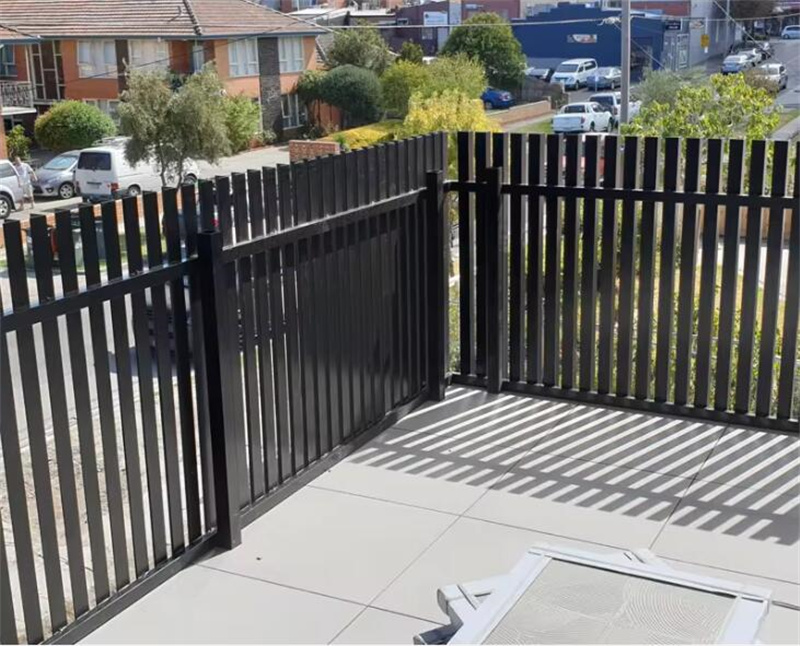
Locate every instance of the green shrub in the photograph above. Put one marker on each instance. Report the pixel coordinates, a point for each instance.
(374, 133)
(399, 82)
(18, 144)
(72, 124)
(411, 52)
(354, 90)
(267, 137)
(242, 119)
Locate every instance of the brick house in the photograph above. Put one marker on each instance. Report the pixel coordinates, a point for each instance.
(82, 49)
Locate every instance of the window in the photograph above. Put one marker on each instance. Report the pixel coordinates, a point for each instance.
(109, 106)
(290, 55)
(7, 170)
(243, 57)
(8, 66)
(148, 55)
(94, 161)
(97, 58)
(293, 112)
(198, 55)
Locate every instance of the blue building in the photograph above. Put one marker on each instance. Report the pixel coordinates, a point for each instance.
(657, 42)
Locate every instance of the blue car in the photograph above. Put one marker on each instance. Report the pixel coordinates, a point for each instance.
(496, 99)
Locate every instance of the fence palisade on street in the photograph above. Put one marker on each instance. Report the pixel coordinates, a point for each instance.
(201, 364)
(602, 256)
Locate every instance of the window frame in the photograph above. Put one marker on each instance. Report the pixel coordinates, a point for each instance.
(247, 67)
(291, 54)
(161, 62)
(91, 69)
(8, 67)
(297, 117)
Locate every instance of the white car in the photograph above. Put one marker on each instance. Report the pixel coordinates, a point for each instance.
(791, 32)
(613, 101)
(587, 116)
(574, 73)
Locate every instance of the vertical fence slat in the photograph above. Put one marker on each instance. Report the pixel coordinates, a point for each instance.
(516, 311)
(570, 261)
(535, 284)
(589, 269)
(608, 269)
(481, 164)
(666, 281)
(552, 265)
(791, 306)
(686, 287)
(166, 398)
(8, 620)
(627, 270)
(730, 278)
(495, 266)
(647, 243)
(752, 263)
(34, 417)
(708, 277)
(466, 257)
(772, 284)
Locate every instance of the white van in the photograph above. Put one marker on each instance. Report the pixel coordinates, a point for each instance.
(574, 73)
(103, 173)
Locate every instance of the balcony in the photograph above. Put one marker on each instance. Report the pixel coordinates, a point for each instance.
(16, 94)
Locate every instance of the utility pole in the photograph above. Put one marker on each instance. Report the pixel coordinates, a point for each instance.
(625, 81)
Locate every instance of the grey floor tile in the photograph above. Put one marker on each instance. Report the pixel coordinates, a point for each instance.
(347, 546)
(744, 530)
(203, 606)
(782, 626)
(469, 550)
(752, 459)
(459, 403)
(583, 500)
(636, 440)
(375, 626)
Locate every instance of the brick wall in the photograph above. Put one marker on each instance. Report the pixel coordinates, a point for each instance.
(269, 82)
(520, 113)
(305, 149)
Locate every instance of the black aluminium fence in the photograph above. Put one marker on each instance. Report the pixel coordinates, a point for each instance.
(588, 269)
(197, 372)
(268, 323)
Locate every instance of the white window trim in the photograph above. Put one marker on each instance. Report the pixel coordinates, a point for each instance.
(95, 67)
(7, 65)
(297, 117)
(291, 54)
(153, 55)
(247, 67)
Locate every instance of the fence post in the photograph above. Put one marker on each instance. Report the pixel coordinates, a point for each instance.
(223, 443)
(494, 235)
(438, 296)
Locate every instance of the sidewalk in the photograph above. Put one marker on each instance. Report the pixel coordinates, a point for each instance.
(788, 131)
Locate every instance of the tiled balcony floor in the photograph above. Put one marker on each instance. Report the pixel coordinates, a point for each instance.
(457, 491)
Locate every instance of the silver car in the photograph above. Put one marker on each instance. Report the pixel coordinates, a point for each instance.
(774, 72)
(10, 189)
(57, 177)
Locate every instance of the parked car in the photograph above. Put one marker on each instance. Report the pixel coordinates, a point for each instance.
(496, 99)
(541, 73)
(605, 77)
(57, 177)
(10, 189)
(762, 50)
(587, 116)
(613, 101)
(574, 73)
(103, 173)
(775, 73)
(791, 32)
(736, 63)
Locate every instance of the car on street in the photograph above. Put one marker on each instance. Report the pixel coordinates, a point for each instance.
(613, 101)
(791, 32)
(496, 99)
(605, 78)
(541, 73)
(10, 189)
(736, 63)
(761, 50)
(574, 73)
(775, 73)
(586, 116)
(57, 177)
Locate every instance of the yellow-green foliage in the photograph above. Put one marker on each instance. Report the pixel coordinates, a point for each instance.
(369, 135)
(449, 111)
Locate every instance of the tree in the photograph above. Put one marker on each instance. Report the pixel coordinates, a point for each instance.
(494, 45)
(457, 72)
(18, 144)
(361, 47)
(72, 124)
(171, 127)
(411, 52)
(242, 118)
(745, 9)
(450, 111)
(354, 90)
(399, 82)
(661, 86)
(727, 107)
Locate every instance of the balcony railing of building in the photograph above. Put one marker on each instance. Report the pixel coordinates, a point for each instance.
(16, 94)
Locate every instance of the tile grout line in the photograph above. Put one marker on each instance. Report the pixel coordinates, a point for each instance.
(348, 624)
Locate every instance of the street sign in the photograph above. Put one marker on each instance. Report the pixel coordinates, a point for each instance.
(705, 40)
(672, 25)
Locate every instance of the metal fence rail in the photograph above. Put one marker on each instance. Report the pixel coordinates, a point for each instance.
(567, 286)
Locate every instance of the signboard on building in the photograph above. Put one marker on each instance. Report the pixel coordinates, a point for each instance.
(582, 39)
(672, 25)
(705, 40)
(436, 19)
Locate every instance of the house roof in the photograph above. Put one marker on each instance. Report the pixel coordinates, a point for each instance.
(9, 34)
(146, 18)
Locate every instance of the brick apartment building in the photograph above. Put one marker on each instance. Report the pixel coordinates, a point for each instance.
(52, 50)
